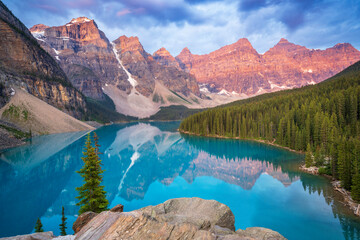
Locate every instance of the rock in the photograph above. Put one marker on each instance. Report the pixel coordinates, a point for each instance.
(182, 218)
(34, 236)
(202, 213)
(118, 208)
(82, 220)
(100, 224)
(260, 233)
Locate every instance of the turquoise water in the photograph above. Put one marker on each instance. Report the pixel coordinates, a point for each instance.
(148, 163)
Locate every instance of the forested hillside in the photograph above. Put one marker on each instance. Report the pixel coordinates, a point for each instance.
(323, 120)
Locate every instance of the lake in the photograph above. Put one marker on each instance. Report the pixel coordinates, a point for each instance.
(148, 163)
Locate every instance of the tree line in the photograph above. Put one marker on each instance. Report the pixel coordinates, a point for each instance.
(322, 120)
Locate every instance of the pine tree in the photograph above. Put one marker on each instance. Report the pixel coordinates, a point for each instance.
(39, 226)
(308, 157)
(91, 194)
(63, 223)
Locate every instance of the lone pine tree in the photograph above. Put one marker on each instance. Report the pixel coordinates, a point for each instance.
(91, 194)
(63, 223)
(39, 226)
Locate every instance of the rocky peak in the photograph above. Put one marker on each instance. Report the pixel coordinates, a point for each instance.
(80, 20)
(38, 28)
(185, 51)
(284, 47)
(163, 57)
(184, 59)
(346, 47)
(162, 52)
(128, 44)
(243, 42)
(82, 30)
(242, 45)
(283, 41)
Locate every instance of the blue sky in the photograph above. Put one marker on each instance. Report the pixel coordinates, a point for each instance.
(206, 25)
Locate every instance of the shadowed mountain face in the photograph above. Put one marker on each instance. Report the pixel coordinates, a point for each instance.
(239, 68)
(23, 63)
(147, 164)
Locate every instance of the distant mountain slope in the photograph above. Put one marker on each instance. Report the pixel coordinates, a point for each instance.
(323, 120)
(23, 63)
(36, 116)
(239, 69)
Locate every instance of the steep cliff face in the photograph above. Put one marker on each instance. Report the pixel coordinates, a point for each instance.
(85, 54)
(23, 63)
(239, 68)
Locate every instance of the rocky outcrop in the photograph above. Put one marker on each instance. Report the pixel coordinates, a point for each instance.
(182, 218)
(23, 63)
(239, 68)
(82, 220)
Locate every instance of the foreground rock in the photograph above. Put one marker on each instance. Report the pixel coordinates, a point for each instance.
(182, 218)
(34, 236)
(82, 220)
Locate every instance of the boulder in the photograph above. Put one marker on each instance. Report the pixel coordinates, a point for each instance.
(82, 220)
(117, 208)
(260, 233)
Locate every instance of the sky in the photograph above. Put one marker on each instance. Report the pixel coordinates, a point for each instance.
(206, 25)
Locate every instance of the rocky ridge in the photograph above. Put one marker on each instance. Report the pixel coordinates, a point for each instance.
(238, 68)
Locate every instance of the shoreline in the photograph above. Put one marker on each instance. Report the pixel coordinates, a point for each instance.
(247, 139)
(348, 201)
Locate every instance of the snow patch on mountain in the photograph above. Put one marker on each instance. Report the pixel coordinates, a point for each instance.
(132, 81)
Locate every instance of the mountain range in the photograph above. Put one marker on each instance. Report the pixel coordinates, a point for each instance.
(139, 83)
(239, 69)
(121, 69)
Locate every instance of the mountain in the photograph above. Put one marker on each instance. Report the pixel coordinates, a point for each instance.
(121, 69)
(84, 53)
(24, 64)
(239, 69)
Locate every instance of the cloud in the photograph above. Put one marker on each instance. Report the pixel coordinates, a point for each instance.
(206, 25)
